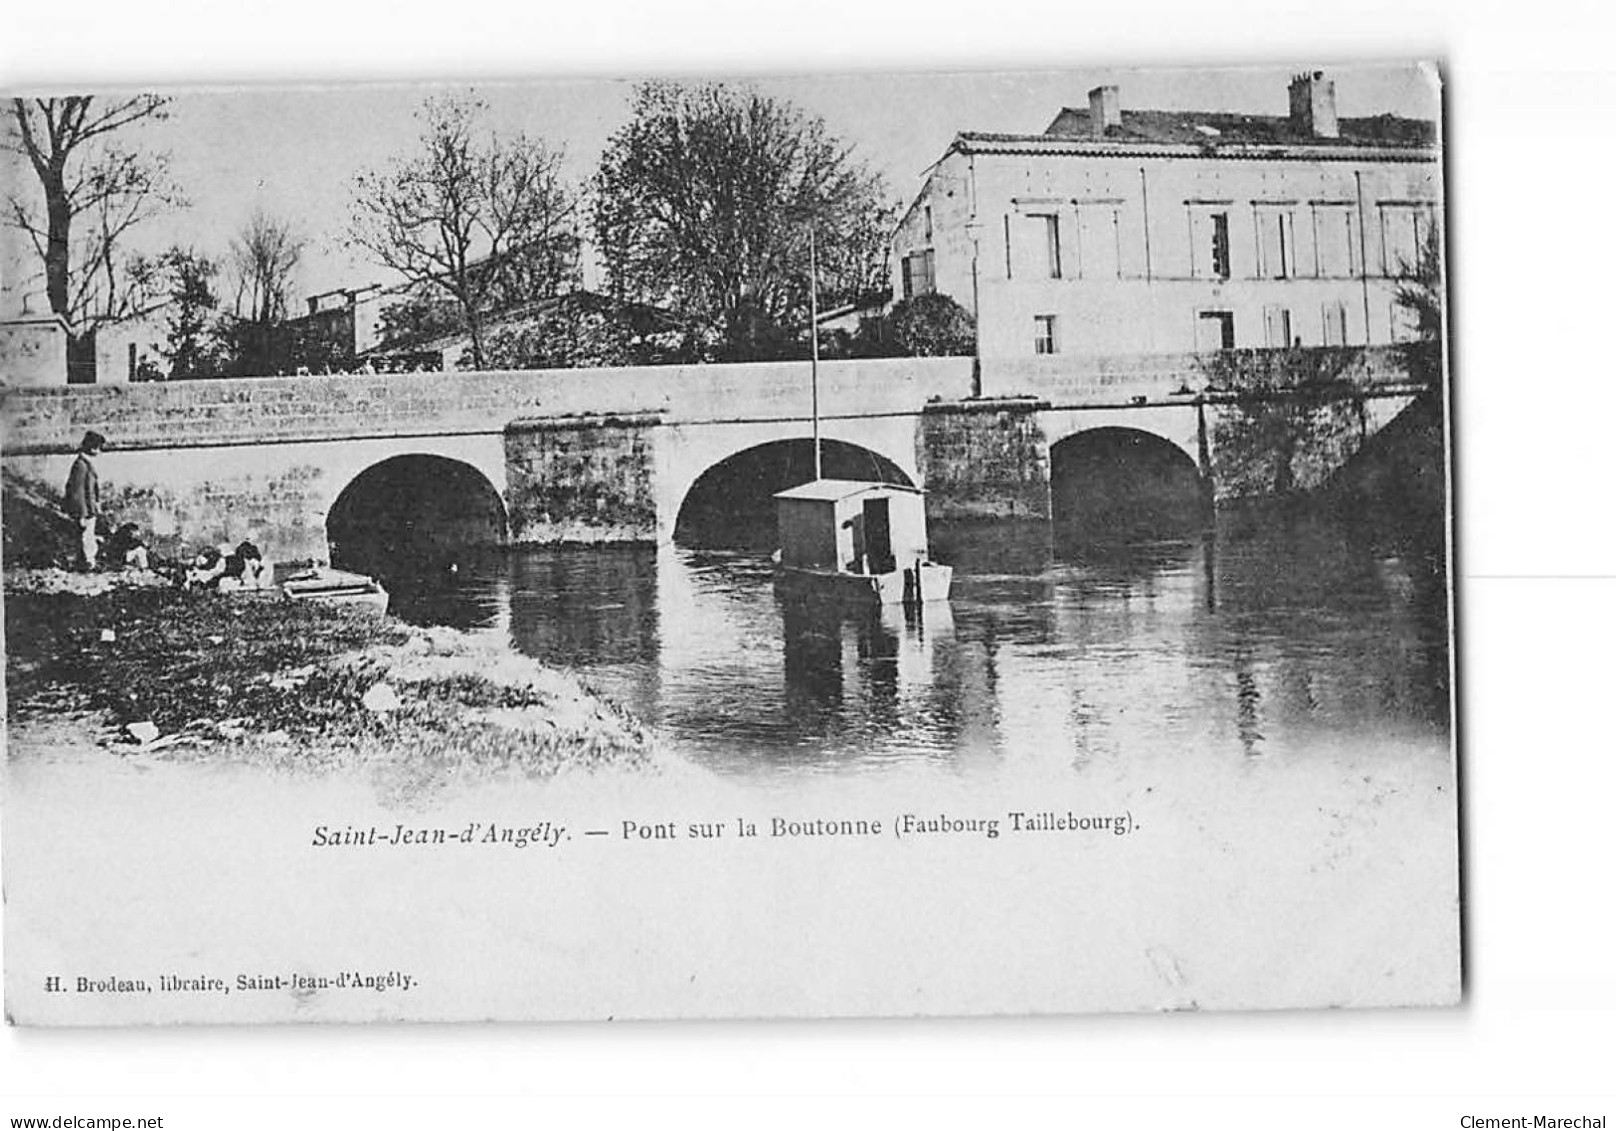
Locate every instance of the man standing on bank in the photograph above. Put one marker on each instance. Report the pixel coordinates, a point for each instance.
(84, 497)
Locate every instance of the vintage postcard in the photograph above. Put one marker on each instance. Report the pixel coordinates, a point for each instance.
(841, 545)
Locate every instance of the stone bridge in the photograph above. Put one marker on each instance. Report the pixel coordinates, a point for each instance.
(616, 454)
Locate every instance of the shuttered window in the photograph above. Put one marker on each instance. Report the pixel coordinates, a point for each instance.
(1276, 242)
(1099, 242)
(1335, 323)
(1335, 241)
(1032, 246)
(1214, 330)
(1277, 327)
(919, 273)
(1209, 243)
(1404, 229)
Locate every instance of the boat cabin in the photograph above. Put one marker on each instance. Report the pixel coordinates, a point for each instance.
(849, 526)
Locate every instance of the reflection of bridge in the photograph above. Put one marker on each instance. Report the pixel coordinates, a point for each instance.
(602, 455)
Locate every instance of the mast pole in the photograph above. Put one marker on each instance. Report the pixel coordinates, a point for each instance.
(813, 339)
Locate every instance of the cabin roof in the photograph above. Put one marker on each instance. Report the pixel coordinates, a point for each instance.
(834, 490)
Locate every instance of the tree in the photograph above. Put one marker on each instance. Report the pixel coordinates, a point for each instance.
(1420, 292)
(703, 205)
(585, 331)
(416, 319)
(932, 325)
(263, 256)
(93, 192)
(1420, 284)
(481, 218)
(193, 346)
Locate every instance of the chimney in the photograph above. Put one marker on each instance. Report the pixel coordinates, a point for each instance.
(1313, 105)
(1105, 110)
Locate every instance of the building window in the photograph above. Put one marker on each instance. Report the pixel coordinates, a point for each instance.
(1209, 244)
(1404, 228)
(1335, 241)
(1335, 323)
(1277, 327)
(1276, 243)
(1220, 245)
(928, 224)
(1214, 330)
(1405, 324)
(1043, 334)
(1042, 246)
(919, 273)
(1052, 248)
(1099, 242)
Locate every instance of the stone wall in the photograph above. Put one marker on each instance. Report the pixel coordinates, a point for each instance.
(280, 495)
(582, 479)
(985, 459)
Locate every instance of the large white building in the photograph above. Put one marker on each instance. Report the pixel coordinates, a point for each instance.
(1124, 231)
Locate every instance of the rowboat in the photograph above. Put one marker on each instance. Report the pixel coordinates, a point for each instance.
(336, 587)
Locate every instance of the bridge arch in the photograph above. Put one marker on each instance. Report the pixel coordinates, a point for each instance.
(411, 513)
(1123, 483)
(731, 504)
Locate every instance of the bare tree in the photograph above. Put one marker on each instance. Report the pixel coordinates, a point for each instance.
(263, 256)
(482, 218)
(94, 191)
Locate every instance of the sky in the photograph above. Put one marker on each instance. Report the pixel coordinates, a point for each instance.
(294, 150)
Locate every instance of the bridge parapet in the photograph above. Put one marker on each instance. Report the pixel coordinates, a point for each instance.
(184, 414)
(275, 410)
(1078, 380)
(784, 390)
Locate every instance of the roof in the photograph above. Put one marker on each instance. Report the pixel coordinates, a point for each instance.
(1204, 133)
(834, 490)
(1198, 127)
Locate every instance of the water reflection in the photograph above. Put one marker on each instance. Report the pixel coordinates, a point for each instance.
(585, 609)
(1264, 634)
(466, 593)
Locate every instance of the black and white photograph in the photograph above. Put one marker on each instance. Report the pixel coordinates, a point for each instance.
(855, 545)
(799, 566)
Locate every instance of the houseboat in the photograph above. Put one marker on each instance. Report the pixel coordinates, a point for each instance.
(857, 542)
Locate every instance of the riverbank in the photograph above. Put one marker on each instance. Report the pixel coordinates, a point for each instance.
(139, 670)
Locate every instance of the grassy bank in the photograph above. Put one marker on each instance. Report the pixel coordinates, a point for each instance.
(293, 685)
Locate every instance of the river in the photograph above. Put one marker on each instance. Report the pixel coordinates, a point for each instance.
(1270, 633)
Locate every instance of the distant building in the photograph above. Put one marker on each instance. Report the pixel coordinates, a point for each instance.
(350, 326)
(358, 310)
(578, 328)
(100, 348)
(338, 326)
(33, 350)
(130, 348)
(1133, 231)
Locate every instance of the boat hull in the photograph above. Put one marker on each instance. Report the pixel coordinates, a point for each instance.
(337, 587)
(921, 584)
